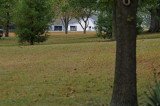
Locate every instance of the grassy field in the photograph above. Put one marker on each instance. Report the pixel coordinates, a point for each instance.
(74, 70)
(69, 39)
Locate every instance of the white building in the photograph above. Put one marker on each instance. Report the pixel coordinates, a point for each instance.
(73, 25)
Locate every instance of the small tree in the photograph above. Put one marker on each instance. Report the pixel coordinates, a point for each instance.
(83, 10)
(32, 19)
(65, 12)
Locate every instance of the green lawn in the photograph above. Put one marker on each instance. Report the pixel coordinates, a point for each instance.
(69, 39)
(74, 70)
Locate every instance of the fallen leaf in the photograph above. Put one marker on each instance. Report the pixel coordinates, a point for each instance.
(67, 95)
(69, 88)
(73, 91)
(35, 100)
(90, 74)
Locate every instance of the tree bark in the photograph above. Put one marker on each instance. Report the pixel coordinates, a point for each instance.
(125, 84)
(7, 26)
(114, 22)
(155, 21)
(31, 42)
(86, 23)
(66, 28)
(65, 21)
(84, 32)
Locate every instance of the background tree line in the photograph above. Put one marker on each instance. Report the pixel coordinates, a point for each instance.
(81, 10)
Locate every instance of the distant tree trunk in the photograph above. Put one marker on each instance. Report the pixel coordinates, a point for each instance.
(125, 88)
(65, 20)
(66, 28)
(31, 41)
(114, 23)
(7, 26)
(84, 32)
(86, 23)
(155, 21)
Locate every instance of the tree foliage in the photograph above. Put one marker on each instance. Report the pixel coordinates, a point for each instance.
(152, 8)
(32, 20)
(104, 23)
(6, 14)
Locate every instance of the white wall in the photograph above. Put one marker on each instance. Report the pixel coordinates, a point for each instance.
(75, 23)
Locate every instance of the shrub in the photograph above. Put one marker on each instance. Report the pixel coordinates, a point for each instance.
(32, 20)
(139, 25)
(104, 24)
(154, 95)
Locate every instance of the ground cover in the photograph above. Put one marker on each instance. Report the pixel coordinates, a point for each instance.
(74, 70)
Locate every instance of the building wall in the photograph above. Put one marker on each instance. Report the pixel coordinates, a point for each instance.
(91, 26)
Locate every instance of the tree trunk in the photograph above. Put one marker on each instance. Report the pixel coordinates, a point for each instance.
(65, 20)
(31, 42)
(85, 27)
(155, 21)
(7, 26)
(84, 32)
(32, 38)
(66, 28)
(125, 84)
(114, 23)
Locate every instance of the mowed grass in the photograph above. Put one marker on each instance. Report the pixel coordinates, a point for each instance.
(75, 70)
(69, 39)
(54, 39)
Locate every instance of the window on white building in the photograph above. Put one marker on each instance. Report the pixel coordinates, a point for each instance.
(57, 28)
(73, 28)
(90, 28)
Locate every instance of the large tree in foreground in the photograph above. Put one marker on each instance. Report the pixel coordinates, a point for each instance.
(125, 89)
(32, 20)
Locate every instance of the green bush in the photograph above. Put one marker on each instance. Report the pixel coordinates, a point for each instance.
(32, 20)
(154, 95)
(139, 25)
(41, 38)
(104, 24)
